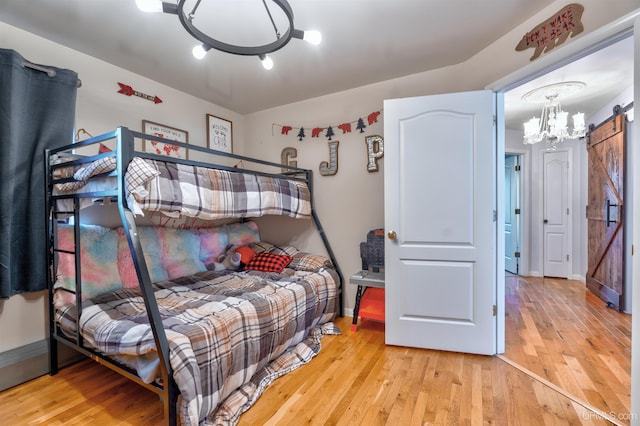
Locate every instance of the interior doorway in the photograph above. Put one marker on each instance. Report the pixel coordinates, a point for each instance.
(557, 215)
(536, 212)
(513, 213)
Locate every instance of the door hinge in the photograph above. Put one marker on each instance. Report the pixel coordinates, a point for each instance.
(517, 211)
(495, 216)
(516, 254)
(495, 310)
(567, 258)
(517, 167)
(567, 211)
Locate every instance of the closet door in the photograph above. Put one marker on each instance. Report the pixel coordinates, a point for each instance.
(605, 221)
(440, 220)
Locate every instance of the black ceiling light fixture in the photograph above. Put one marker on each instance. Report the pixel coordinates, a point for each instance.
(208, 42)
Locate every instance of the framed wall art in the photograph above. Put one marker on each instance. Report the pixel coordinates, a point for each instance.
(165, 132)
(219, 134)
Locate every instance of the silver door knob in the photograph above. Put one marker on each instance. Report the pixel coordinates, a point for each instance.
(392, 235)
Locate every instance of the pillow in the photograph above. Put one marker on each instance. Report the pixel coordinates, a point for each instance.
(152, 250)
(69, 186)
(242, 233)
(63, 172)
(180, 252)
(98, 260)
(97, 167)
(268, 262)
(262, 247)
(66, 172)
(246, 254)
(213, 242)
(309, 262)
(288, 250)
(139, 173)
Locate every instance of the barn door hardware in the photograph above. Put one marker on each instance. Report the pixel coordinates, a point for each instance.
(609, 205)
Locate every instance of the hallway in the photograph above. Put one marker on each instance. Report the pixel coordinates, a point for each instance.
(565, 334)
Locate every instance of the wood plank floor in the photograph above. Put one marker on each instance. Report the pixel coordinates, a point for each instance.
(554, 328)
(567, 335)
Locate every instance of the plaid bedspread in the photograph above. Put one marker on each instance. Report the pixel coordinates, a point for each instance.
(223, 331)
(216, 194)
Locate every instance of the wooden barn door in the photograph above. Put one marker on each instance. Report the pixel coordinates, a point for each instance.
(605, 221)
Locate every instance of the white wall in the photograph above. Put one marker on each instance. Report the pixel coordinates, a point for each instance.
(99, 109)
(351, 202)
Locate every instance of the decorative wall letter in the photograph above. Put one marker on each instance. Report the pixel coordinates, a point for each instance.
(330, 168)
(287, 153)
(375, 150)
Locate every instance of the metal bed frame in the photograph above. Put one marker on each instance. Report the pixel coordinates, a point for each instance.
(124, 152)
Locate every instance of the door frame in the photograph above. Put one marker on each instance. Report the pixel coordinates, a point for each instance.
(525, 206)
(514, 217)
(628, 25)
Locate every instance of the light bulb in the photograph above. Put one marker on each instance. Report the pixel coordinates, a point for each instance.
(267, 62)
(199, 51)
(149, 5)
(313, 37)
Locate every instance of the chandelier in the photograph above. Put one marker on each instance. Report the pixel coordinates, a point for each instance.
(552, 124)
(207, 42)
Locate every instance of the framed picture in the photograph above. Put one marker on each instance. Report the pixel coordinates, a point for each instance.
(219, 134)
(165, 132)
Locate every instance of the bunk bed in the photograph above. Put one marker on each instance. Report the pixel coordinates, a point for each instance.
(155, 303)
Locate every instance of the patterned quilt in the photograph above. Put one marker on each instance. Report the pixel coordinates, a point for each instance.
(216, 194)
(229, 335)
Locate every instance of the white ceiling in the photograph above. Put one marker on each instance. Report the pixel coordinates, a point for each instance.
(364, 41)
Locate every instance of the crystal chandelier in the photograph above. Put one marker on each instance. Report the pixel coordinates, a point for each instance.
(552, 124)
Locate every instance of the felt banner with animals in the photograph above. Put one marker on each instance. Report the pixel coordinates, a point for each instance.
(328, 131)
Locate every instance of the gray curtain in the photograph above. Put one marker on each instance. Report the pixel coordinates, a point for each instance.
(37, 109)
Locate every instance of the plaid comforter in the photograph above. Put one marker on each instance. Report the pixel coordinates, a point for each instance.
(230, 335)
(216, 194)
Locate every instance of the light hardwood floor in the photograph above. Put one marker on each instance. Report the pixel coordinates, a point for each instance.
(554, 328)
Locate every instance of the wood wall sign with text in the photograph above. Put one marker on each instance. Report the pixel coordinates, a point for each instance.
(553, 31)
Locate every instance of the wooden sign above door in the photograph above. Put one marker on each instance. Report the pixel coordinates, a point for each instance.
(554, 31)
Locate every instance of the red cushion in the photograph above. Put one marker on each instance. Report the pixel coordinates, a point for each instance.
(246, 253)
(268, 262)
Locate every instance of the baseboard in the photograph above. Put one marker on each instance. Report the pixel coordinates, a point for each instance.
(27, 362)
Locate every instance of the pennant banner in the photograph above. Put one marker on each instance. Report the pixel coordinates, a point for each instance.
(328, 131)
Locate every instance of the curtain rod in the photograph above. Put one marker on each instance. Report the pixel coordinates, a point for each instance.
(47, 70)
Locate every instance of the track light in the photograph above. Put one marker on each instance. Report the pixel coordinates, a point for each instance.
(207, 42)
(267, 62)
(200, 51)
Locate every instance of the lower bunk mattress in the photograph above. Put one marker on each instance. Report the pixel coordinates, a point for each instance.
(230, 333)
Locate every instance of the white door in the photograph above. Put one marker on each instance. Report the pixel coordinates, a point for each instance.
(440, 219)
(555, 218)
(511, 213)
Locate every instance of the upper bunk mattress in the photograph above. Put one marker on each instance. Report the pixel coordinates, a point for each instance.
(211, 194)
(193, 191)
